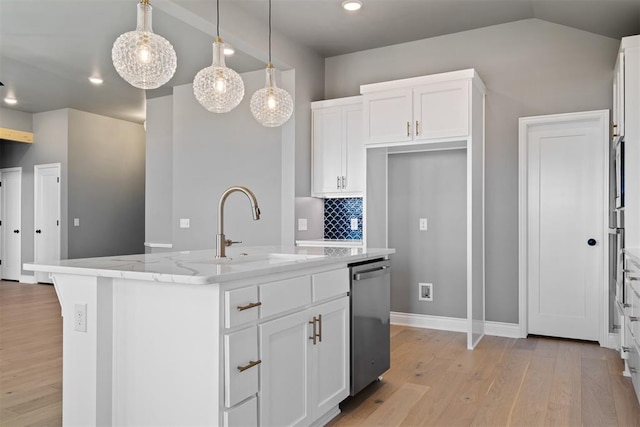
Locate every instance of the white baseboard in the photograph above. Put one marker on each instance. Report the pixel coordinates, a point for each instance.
(28, 279)
(612, 342)
(500, 329)
(454, 324)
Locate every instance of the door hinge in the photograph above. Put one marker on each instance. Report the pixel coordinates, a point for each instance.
(0, 262)
(57, 222)
(58, 179)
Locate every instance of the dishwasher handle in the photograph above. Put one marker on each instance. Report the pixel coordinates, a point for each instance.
(380, 271)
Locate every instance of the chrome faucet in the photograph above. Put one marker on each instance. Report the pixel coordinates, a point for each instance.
(221, 242)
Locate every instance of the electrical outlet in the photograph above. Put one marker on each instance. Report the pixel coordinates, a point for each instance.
(302, 224)
(423, 224)
(80, 317)
(76, 222)
(184, 222)
(425, 291)
(354, 224)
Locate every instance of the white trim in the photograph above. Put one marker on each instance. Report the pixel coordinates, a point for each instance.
(19, 209)
(500, 329)
(158, 245)
(454, 324)
(30, 280)
(611, 342)
(424, 80)
(524, 123)
(338, 102)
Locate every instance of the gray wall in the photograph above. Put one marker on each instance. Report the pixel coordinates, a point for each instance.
(106, 185)
(50, 146)
(429, 185)
(530, 67)
(159, 170)
(212, 152)
(17, 120)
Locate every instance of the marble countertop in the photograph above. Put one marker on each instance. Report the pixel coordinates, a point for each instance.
(346, 243)
(201, 266)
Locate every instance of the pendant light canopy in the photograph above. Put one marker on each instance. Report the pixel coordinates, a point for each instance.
(271, 106)
(141, 57)
(217, 88)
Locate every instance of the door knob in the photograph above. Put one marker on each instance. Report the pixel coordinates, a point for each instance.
(16, 231)
(591, 242)
(38, 231)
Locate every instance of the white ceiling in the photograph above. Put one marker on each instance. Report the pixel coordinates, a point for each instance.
(48, 48)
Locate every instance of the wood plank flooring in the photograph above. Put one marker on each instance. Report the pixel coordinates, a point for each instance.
(434, 380)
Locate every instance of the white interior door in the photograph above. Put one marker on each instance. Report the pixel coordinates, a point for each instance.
(565, 227)
(46, 216)
(10, 239)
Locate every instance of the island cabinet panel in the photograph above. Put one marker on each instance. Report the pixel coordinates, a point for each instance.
(278, 297)
(241, 306)
(241, 364)
(245, 414)
(305, 364)
(330, 284)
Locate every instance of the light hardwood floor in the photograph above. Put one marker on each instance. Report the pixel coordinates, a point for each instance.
(434, 380)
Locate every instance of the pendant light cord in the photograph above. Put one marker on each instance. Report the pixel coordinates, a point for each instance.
(269, 31)
(218, 18)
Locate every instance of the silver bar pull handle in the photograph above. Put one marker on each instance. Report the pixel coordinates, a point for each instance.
(337, 182)
(372, 273)
(408, 128)
(344, 182)
(314, 335)
(634, 318)
(417, 128)
(625, 349)
(320, 328)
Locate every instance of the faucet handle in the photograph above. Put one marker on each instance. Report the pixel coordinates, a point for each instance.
(230, 242)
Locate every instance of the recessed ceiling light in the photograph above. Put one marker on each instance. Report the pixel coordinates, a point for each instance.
(228, 49)
(11, 101)
(96, 80)
(352, 5)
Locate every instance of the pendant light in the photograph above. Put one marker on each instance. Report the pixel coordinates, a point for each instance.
(217, 88)
(271, 106)
(144, 59)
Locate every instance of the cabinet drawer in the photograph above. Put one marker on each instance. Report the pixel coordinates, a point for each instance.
(329, 284)
(278, 297)
(634, 368)
(241, 306)
(241, 365)
(243, 415)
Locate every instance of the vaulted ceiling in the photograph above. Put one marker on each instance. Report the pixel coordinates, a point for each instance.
(49, 48)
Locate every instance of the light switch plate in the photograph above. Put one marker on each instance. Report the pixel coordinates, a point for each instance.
(354, 224)
(423, 224)
(184, 222)
(302, 224)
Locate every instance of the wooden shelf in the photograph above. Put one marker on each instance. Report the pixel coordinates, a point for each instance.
(16, 135)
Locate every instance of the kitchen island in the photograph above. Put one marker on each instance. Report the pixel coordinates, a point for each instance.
(183, 338)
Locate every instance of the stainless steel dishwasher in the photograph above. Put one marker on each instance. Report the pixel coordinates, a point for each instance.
(370, 311)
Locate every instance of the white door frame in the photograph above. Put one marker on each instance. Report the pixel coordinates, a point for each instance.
(523, 209)
(19, 209)
(36, 172)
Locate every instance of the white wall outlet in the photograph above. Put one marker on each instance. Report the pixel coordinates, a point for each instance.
(184, 222)
(423, 224)
(425, 291)
(302, 224)
(76, 222)
(354, 224)
(80, 317)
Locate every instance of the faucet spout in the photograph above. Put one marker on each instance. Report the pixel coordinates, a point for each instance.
(221, 242)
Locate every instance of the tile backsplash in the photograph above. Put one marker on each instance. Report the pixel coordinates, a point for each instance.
(338, 214)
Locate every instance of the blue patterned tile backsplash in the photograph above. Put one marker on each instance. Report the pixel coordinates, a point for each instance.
(337, 218)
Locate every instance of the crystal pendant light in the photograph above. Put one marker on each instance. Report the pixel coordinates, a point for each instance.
(144, 59)
(217, 88)
(271, 106)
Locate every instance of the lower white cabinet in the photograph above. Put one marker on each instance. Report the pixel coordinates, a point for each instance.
(305, 364)
(630, 329)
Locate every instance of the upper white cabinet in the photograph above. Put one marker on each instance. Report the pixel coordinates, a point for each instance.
(421, 109)
(338, 149)
(617, 125)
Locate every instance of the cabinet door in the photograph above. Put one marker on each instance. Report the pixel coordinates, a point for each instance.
(354, 151)
(330, 377)
(285, 371)
(387, 116)
(441, 110)
(240, 351)
(618, 97)
(327, 150)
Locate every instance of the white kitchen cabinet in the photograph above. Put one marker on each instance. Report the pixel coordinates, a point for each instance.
(338, 150)
(617, 125)
(422, 109)
(305, 364)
